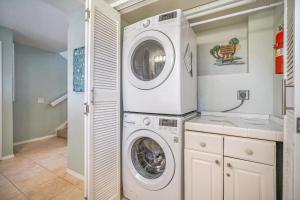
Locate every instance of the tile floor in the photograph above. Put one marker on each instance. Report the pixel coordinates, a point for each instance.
(38, 172)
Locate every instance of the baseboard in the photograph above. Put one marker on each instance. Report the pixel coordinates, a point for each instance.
(61, 126)
(35, 139)
(7, 157)
(76, 174)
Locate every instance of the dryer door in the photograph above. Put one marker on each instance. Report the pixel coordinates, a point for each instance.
(151, 159)
(151, 59)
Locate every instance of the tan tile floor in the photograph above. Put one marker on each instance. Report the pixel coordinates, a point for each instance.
(38, 172)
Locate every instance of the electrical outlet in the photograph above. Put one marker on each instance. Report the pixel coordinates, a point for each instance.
(41, 100)
(243, 94)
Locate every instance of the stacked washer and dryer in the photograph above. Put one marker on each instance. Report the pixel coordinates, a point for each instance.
(159, 94)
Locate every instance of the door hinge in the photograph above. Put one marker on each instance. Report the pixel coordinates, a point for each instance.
(86, 108)
(298, 125)
(93, 96)
(87, 15)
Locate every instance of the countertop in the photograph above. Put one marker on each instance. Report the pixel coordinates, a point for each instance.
(249, 126)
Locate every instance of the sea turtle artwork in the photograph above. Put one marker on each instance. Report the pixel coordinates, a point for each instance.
(225, 54)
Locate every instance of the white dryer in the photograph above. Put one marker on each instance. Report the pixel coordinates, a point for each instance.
(153, 156)
(159, 65)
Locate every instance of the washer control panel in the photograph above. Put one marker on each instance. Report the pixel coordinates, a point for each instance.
(168, 124)
(151, 122)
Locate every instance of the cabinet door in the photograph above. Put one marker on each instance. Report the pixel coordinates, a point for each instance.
(244, 180)
(203, 176)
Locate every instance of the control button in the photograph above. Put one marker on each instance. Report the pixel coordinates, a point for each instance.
(146, 23)
(147, 121)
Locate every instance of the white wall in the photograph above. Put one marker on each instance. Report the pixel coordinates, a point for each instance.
(219, 92)
(277, 78)
(75, 99)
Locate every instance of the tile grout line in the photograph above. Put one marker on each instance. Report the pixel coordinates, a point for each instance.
(13, 184)
(37, 163)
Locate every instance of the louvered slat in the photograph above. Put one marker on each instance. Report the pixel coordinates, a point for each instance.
(104, 139)
(106, 150)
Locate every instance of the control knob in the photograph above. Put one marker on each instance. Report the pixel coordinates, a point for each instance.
(146, 23)
(147, 121)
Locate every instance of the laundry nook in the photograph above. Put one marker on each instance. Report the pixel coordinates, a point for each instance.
(150, 100)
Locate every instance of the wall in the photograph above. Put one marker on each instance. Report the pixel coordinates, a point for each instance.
(75, 100)
(38, 74)
(6, 36)
(219, 92)
(277, 78)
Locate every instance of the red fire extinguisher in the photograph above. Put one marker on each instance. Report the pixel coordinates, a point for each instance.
(279, 51)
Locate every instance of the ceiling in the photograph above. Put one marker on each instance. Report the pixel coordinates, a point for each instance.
(39, 23)
(160, 7)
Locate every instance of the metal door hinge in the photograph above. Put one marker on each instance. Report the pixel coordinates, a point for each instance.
(298, 125)
(93, 96)
(86, 108)
(87, 15)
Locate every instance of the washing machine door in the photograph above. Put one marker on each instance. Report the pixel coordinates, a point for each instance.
(150, 159)
(151, 59)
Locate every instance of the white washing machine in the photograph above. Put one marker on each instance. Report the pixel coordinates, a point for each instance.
(153, 156)
(159, 65)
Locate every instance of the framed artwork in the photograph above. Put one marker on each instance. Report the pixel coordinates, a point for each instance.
(223, 51)
(78, 69)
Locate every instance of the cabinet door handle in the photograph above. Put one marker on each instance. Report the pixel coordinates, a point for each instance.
(217, 162)
(249, 152)
(228, 175)
(229, 165)
(202, 144)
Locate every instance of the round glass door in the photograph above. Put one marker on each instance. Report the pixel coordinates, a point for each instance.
(150, 159)
(151, 59)
(148, 60)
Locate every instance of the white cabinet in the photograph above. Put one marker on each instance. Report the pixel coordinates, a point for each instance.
(203, 176)
(246, 169)
(248, 180)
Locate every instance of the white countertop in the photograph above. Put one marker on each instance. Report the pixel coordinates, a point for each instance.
(257, 127)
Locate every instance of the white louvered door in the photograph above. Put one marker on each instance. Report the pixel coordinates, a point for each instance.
(102, 99)
(289, 104)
